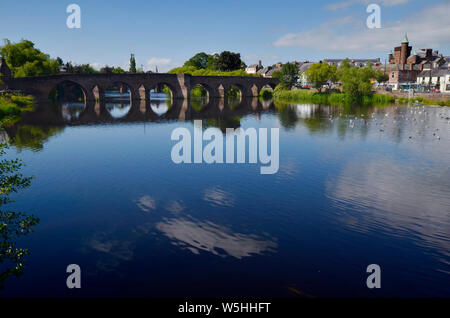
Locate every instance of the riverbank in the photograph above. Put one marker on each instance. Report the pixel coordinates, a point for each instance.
(345, 99)
(12, 105)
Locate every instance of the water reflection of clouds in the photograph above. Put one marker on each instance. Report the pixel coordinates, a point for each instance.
(219, 197)
(146, 203)
(175, 206)
(210, 237)
(112, 251)
(406, 200)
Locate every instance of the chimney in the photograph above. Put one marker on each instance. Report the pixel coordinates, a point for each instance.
(259, 64)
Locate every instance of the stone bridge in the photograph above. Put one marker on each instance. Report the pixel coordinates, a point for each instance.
(139, 85)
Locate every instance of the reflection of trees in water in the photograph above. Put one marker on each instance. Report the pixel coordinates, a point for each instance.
(325, 118)
(12, 224)
(222, 123)
(33, 137)
(198, 103)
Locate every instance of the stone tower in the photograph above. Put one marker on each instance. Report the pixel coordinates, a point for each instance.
(404, 50)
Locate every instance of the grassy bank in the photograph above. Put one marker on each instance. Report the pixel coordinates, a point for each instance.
(331, 98)
(423, 100)
(12, 105)
(346, 99)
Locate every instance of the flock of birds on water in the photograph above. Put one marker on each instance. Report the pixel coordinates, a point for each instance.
(419, 117)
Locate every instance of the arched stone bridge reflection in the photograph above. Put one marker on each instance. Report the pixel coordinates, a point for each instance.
(94, 86)
(95, 112)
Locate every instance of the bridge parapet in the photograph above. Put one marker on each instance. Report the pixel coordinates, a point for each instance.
(139, 85)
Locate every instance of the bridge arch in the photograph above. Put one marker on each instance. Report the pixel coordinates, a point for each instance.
(67, 90)
(161, 96)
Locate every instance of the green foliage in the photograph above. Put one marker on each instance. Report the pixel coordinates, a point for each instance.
(234, 92)
(198, 91)
(266, 94)
(118, 70)
(381, 76)
(80, 69)
(206, 72)
(288, 75)
(337, 99)
(12, 105)
(26, 60)
(199, 61)
(33, 137)
(229, 61)
(12, 224)
(132, 64)
(356, 81)
(320, 74)
(213, 62)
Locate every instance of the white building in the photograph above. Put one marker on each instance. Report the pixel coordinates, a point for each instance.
(440, 79)
(254, 68)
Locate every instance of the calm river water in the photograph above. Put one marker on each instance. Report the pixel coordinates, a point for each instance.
(356, 186)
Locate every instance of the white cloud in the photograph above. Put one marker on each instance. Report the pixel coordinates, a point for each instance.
(163, 64)
(96, 65)
(345, 4)
(427, 28)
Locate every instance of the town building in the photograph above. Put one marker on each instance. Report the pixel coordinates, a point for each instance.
(404, 67)
(303, 80)
(435, 79)
(254, 68)
(354, 62)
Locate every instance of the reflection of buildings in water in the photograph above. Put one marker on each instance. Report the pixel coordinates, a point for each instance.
(118, 109)
(266, 104)
(210, 237)
(159, 107)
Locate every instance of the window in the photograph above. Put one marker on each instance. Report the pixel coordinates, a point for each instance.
(392, 74)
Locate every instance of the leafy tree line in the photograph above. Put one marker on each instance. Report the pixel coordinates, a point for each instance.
(25, 59)
(224, 64)
(355, 81)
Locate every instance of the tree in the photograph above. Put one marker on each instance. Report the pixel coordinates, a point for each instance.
(199, 61)
(356, 81)
(60, 61)
(228, 61)
(212, 63)
(83, 69)
(320, 73)
(26, 60)
(118, 70)
(381, 76)
(288, 75)
(132, 64)
(12, 224)
(106, 69)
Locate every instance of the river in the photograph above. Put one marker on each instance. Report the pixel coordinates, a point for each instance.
(355, 186)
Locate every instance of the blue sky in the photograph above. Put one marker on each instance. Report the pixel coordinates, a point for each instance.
(166, 33)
